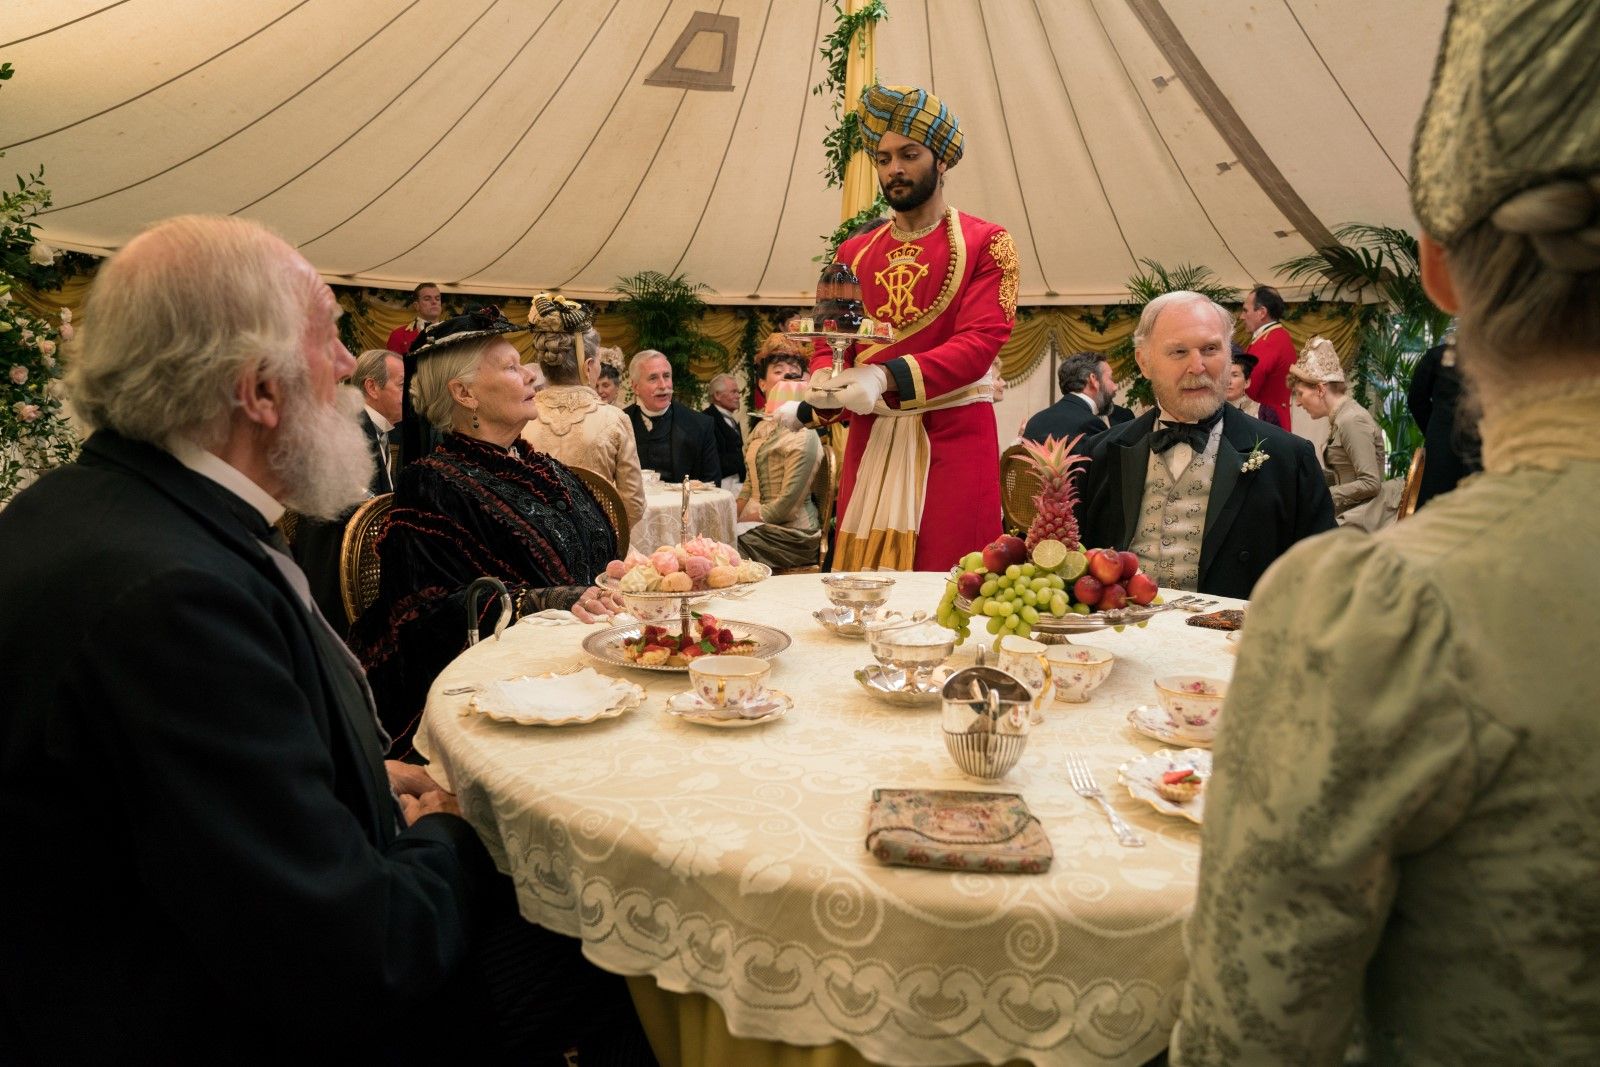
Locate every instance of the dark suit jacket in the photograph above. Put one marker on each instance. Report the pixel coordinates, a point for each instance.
(1065, 419)
(730, 446)
(318, 544)
(1452, 440)
(1120, 414)
(694, 445)
(1251, 519)
(203, 855)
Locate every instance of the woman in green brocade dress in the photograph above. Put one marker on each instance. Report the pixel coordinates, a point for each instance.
(1402, 836)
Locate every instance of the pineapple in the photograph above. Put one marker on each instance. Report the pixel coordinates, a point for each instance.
(1054, 504)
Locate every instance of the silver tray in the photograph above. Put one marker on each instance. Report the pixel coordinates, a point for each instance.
(727, 592)
(606, 645)
(894, 686)
(1072, 623)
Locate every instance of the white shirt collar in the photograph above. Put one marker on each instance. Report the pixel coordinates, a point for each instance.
(655, 414)
(383, 424)
(210, 465)
(1265, 326)
(1089, 400)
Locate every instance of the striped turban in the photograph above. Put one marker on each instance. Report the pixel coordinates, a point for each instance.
(913, 113)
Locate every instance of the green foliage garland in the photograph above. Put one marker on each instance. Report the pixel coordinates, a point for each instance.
(844, 139)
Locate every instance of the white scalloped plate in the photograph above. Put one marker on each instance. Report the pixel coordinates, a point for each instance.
(632, 697)
(1153, 721)
(1141, 775)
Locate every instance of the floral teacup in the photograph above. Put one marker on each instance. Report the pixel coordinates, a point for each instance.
(721, 681)
(1078, 670)
(1024, 660)
(1193, 704)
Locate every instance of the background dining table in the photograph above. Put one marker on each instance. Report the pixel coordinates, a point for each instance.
(711, 513)
(725, 870)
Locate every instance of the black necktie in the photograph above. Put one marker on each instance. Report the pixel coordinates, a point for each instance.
(1193, 434)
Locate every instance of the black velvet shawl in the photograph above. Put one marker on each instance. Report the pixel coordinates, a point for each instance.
(466, 510)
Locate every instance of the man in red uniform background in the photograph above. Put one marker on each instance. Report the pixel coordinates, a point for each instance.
(1273, 348)
(921, 479)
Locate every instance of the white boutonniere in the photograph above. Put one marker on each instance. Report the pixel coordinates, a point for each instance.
(1254, 460)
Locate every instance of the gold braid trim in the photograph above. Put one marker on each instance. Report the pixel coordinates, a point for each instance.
(1004, 251)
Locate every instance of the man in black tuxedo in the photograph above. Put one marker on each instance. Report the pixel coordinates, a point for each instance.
(1210, 497)
(1087, 392)
(380, 376)
(208, 857)
(723, 411)
(673, 440)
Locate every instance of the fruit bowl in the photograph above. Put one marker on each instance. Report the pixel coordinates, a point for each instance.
(1054, 629)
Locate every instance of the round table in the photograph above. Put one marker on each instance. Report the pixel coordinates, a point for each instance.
(731, 862)
(711, 512)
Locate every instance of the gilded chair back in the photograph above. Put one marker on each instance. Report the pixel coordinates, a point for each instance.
(610, 503)
(358, 556)
(1413, 486)
(1019, 484)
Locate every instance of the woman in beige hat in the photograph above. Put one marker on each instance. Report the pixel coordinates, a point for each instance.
(1403, 825)
(1352, 461)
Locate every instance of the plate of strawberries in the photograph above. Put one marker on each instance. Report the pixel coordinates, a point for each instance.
(669, 648)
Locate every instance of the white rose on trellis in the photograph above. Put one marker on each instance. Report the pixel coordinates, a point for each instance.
(42, 254)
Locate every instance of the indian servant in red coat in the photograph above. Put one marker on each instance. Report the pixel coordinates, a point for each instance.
(921, 480)
(1273, 348)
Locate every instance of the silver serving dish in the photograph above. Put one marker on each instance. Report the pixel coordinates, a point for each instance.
(1051, 629)
(894, 686)
(891, 645)
(606, 645)
(839, 622)
(856, 598)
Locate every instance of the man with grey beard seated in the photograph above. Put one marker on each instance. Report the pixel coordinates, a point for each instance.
(1204, 495)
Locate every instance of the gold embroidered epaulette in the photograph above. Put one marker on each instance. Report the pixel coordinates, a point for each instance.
(1004, 251)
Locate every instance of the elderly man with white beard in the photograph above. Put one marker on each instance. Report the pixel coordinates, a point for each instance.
(209, 856)
(1206, 496)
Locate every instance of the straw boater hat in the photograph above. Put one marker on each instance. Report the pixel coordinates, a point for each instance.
(910, 112)
(1318, 363)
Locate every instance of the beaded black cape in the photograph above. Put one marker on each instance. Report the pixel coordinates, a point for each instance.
(466, 510)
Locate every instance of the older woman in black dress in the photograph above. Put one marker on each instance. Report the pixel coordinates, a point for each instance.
(483, 502)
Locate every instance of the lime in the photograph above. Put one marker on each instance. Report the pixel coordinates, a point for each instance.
(1049, 553)
(1072, 566)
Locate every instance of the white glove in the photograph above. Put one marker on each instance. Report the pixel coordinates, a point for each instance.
(859, 388)
(816, 396)
(788, 415)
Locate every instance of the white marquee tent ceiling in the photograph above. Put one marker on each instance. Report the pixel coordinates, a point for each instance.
(509, 146)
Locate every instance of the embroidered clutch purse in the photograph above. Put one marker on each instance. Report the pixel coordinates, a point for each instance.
(957, 830)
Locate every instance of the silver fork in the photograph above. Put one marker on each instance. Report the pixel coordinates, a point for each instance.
(1084, 785)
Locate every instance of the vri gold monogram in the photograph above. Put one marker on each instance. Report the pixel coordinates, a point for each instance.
(899, 279)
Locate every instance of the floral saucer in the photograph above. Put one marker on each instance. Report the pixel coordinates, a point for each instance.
(688, 706)
(1141, 775)
(1153, 721)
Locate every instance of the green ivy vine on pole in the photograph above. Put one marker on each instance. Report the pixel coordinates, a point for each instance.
(843, 140)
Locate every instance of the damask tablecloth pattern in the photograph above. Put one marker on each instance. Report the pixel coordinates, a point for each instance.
(731, 862)
(711, 512)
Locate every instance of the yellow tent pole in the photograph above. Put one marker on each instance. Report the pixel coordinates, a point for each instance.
(860, 70)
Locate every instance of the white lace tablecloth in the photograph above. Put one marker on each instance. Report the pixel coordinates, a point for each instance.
(731, 862)
(711, 512)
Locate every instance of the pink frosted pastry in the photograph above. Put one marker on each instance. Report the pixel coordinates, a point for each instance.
(665, 561)
(616, 569)
(696, 567)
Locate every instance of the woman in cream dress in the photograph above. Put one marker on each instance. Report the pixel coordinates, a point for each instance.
(1352, 460)
(1402, 829)
(780, 467)
(574, 425)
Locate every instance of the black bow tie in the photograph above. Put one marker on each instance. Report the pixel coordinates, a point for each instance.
(1193, 434)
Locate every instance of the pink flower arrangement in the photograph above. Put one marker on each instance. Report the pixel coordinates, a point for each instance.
(19, 374)
(26, 412)
(47, 347)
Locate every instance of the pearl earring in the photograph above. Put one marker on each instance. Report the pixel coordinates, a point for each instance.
(474, 420)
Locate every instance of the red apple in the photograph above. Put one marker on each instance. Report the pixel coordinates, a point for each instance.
(1130, 565)
(969, 585)
(1106, 565)
(1003, 551)
(1142, 588)
(1114, 597)
(1088, 590)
